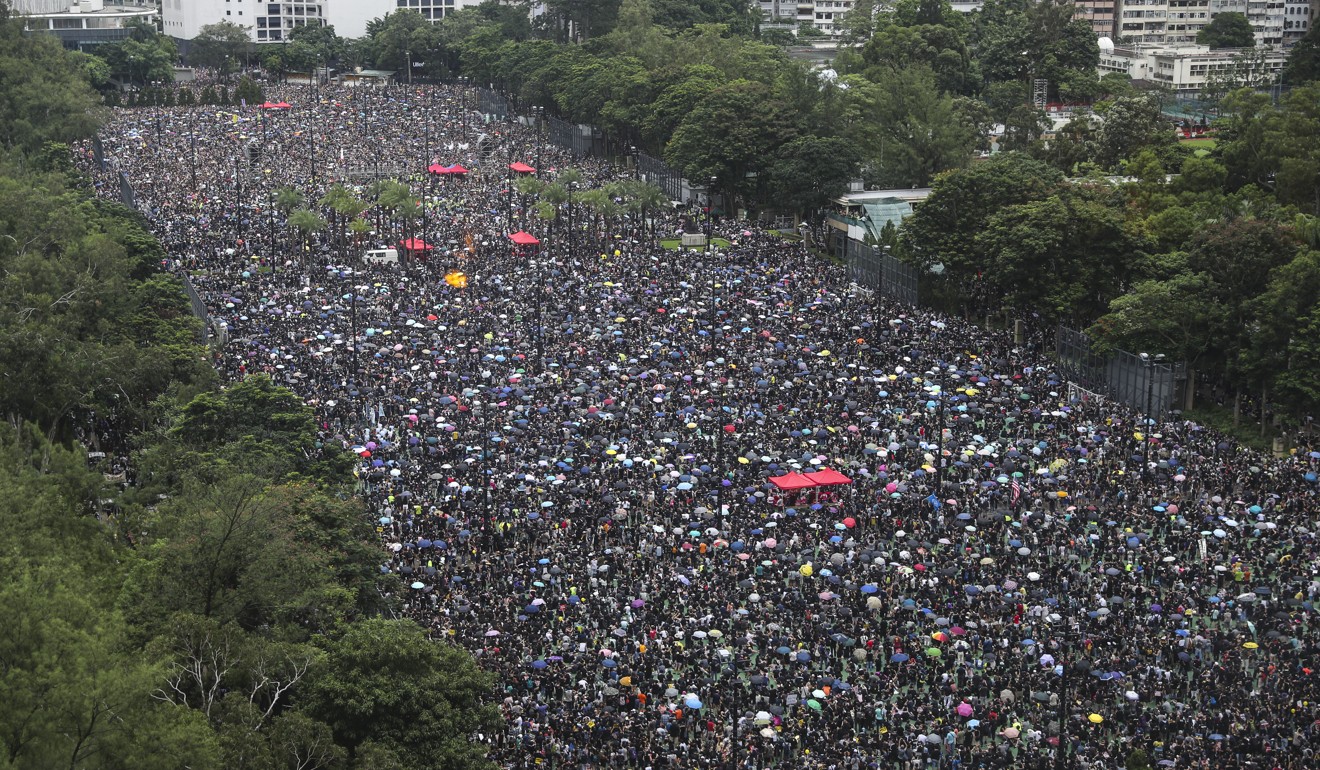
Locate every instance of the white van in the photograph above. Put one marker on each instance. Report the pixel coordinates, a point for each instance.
(381, 257)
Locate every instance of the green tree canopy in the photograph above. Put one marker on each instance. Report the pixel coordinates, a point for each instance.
(385, 682)
(222, 46)
(1228, 29)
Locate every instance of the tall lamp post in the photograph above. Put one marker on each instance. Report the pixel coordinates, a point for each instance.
(238, 191)
(1149, 364)
(270, 220)
(538, 115)
(710, 209)
(571, 239)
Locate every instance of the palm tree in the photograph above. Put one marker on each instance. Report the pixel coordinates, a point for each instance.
(395, 197)
(344, 207)
(305, 222)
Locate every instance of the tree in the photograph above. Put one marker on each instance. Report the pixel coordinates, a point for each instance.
(810, 170)
(906, 129)
(731, 133)
(1132, 124)
(1303, 64)
(222, 46)
(943, 228)
(1179, 317)
(1227, 30)
(305, 222)
(1078, 237)
(384, 681)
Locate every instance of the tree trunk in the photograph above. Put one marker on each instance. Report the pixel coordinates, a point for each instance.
(1262, 410)
(1237, 406)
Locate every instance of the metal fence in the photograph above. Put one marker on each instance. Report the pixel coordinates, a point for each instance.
(198, 306)
(578, 138)
(492, 103)
(872, 267)
(126, 195)
(1148, 384)
(658, 173)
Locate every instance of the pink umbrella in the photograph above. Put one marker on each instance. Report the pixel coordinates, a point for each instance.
(964, 709)
(770, 542)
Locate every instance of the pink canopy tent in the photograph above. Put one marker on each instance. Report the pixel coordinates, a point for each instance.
(792, 482)
(827, 478)
(415, 244)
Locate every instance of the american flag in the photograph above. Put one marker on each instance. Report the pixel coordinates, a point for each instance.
(1017, 491)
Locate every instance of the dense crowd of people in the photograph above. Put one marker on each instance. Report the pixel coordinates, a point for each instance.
(569, 461)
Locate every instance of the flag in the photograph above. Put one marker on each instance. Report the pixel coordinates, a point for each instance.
(1017, 491)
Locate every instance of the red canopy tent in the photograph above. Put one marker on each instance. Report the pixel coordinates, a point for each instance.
(275, 105)
(416, 244)
(457, 169)
(524, 239)
(436, 168)
(521, 168)
(792, 482)
(827, 478)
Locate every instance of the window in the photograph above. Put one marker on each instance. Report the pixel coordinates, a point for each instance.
(273, 9)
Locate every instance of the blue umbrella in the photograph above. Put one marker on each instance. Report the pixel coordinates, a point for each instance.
(870, 588)
(608, 663)
(539, 664)
(901, 657)
(803, 657)
(693, 702)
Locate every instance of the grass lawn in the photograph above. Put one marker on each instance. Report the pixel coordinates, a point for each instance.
(1201, 147)
(674, 243)
(1221, 419)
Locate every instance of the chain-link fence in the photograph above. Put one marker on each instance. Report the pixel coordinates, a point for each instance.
(874, 268)
(126, 195)
(492, 103)
(198, 306)
(658, 173)
(1147, 384)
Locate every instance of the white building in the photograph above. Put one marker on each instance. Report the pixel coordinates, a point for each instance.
(271, 22)
(1185, 67)
(82, 24)
(826, 15)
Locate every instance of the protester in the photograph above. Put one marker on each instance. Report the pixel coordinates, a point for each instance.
(596, 525)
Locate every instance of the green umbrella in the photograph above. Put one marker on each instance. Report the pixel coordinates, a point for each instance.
(813, 704)
(933, 652)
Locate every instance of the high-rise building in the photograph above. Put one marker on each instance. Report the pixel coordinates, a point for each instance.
(83, 24)
(271, 22)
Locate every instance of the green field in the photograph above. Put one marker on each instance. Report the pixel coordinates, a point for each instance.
(674, 243)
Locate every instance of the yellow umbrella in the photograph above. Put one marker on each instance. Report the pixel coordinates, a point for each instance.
(1096, 719)
(806, 570)
(1251, 645)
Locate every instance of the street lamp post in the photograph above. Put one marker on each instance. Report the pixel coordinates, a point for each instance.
(571, 239)
(270, 219)
(710, 209)
(238, 191)
(538, 115)
(1150, 364)
(192, 149)
(635, 154)
(155, 100)
(508, 177)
